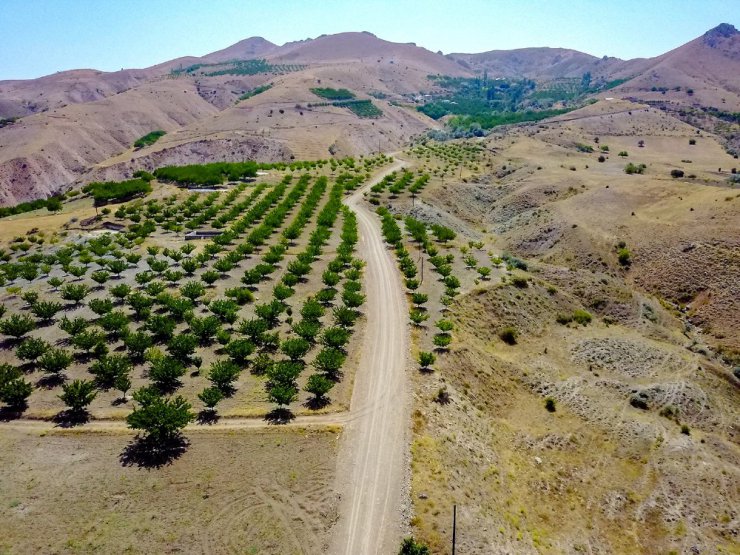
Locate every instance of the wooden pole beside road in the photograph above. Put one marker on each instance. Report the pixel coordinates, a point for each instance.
(454, 527)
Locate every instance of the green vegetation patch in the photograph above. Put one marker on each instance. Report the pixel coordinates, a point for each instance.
(480, 103)
(53, 204)
(333, 94)
(361, 108)
(631, 168)
(207, 174)
(255, 92)
(149, 138)
(117, 191)
(237, 67)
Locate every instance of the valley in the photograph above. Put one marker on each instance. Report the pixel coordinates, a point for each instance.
(308, 298)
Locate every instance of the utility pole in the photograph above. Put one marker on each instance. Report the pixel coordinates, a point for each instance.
(454, 527)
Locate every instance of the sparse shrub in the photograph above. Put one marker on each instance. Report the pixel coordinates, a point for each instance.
(222, 374)
(182, 346)
(17, 325)
(564, 319)
(442, 340)
(426, 359)
(159, 417)
(624, 256)
(550, 404)
(675, 174)
(75, 292)
(582, 317)
(15, 392)
(639, 401)
(210, 397)
(634, 168)
(509, 335)
(31, 349)
(108, 368)
(411, 547)
(443, 396)
(318, 385)
(165, 372)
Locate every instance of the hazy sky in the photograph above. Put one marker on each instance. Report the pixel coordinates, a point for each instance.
(43, 36)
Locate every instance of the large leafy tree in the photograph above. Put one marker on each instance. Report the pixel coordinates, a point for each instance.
(160, 418)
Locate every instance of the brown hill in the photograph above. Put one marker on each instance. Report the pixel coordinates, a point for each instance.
(83, 122)
(253, 47)
(87, 120)
(366, 48)
(705, 71)
(536, 63)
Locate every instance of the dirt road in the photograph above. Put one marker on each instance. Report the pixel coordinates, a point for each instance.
(372, 458)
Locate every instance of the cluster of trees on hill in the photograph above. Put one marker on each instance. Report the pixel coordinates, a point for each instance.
(482, 104)
(104, 192)
(53, 204)
(238, 67)
(207, 174)
(255, 91)
(149, 138)
(333, 94)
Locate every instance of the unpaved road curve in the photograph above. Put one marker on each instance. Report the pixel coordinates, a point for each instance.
(373, 452)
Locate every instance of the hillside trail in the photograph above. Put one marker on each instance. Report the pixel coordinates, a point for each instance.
(373, 453)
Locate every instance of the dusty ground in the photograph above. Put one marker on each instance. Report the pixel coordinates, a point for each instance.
(374, 456)
(231, 492)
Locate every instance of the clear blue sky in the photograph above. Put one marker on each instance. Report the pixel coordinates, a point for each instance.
(43, 36)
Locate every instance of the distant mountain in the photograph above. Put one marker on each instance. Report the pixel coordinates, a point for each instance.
(81, 124)
(364, 47)
(535, 63)
(704, 71)
(253, 47)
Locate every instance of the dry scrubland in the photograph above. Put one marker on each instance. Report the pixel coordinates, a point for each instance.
(641, 451)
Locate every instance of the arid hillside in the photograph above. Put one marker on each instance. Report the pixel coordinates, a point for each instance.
(253, 99)
(703, 72)
(537, 63)
(587, 402)
(77, 121)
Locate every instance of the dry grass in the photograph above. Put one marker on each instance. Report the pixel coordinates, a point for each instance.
(598, 474)
(245, 491)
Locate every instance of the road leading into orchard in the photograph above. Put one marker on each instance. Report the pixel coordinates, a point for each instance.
(373, 453)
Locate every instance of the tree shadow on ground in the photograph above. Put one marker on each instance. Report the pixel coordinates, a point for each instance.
(279, 416)
(11, 413)
(50, 381)
(317, 403)
(208, 416)
(147, 452)
(70, 418)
